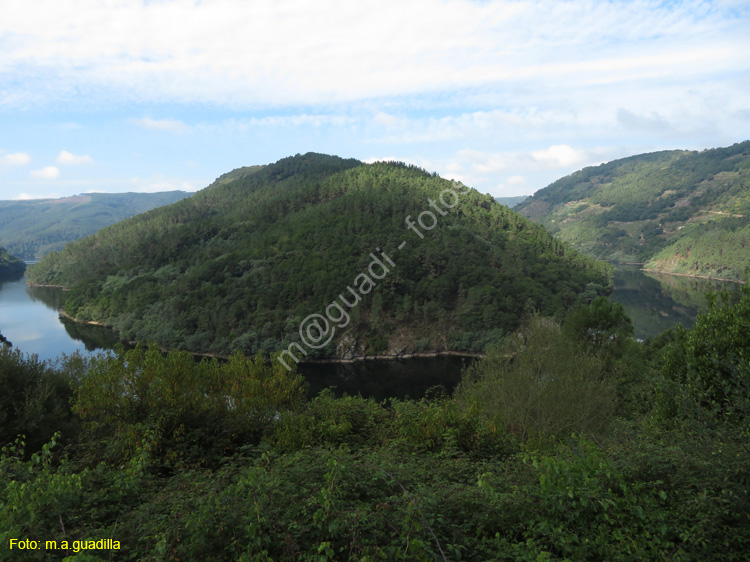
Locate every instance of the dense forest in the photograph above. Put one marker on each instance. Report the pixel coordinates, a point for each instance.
(240, 264)
(677, 211)
(11, 267)
(567, 441)
(32, 228)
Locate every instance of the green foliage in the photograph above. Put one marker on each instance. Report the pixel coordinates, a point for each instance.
(224, 461)
(32, 229)
(442, 478)
(238, 265)
(430, 425)
(330, 421)
(717, 248)
(11, 267)
(679, 211)
(708, 367)
(541, 385)
(34, 495)
(180, 407)
(33, 400)
(600, 325)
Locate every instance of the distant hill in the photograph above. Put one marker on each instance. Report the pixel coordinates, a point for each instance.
(11, 267)
(675, 211)
(242, 263)
(511, 202)
(32, 228)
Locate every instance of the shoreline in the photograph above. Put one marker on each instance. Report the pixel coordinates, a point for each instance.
(333, 360)
(663, 272)
(413, 355)
(695, 276)
(63, 287)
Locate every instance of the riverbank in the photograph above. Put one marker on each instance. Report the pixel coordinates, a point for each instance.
(695, 276)
(61, 287)
(327, 361)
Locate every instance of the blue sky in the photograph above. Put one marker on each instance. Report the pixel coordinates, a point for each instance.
(119, 95)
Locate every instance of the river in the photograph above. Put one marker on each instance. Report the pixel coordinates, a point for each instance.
(657, 301)
(29, 320)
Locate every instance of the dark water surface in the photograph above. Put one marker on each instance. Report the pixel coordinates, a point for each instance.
(657, 301)
(29, 319)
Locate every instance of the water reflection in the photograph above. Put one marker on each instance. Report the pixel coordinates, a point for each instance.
(383, 379)
(51, 297)
(657, 302)
(29, 319)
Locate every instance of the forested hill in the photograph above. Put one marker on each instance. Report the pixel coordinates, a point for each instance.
(11, 267)
(30, 229)
(240, 264)
(677, 211)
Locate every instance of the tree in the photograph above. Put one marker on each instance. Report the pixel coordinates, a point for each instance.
(709, 365)
(601, 324)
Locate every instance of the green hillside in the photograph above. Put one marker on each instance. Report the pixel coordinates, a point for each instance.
(676, 211)
(240, 264)
(11, 267)
(31, 229)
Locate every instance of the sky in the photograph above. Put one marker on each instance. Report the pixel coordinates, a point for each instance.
(505, 96)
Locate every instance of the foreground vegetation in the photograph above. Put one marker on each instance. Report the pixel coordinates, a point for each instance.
(240, 264)
(566, 442)
(677, 211)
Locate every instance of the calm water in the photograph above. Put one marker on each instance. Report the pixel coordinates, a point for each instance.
(29, 319)
(656, 302)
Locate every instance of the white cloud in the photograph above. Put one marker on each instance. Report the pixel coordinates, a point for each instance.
(516, 172)
(299, 120)
(483, 162)
(482, 91)
(233, 52)
(159, 183)
(15, 159)
(514, 185)
(559, 156)
(66, 158)
(160, 124)
(46, 173)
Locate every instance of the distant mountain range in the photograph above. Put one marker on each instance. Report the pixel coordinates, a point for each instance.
(391, 258)
(511, 202)
(673, 211)
(30, 229)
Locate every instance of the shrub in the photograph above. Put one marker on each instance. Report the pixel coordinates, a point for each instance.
(33, 400)
(188, 408)
(706, 370)
(541, 385)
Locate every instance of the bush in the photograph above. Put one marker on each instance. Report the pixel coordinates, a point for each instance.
(327, 420)
(706, 370)
(541, 385)
(192, 412)
(33, 400)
